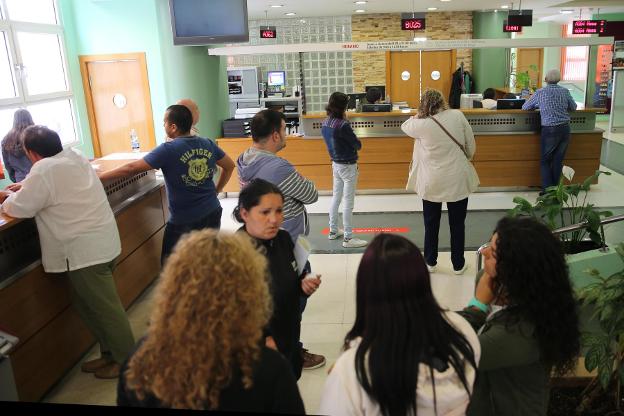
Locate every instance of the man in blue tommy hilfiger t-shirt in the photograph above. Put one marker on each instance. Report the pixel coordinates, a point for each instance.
(188, 163)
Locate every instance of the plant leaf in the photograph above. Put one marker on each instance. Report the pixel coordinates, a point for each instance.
(592, 358)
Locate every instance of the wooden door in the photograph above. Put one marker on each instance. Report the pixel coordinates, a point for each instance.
(421, 69)
(528, 57)
(400, 89)
(118, 100)
(437, 64)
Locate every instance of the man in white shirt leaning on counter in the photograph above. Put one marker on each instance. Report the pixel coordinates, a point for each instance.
(78, 236)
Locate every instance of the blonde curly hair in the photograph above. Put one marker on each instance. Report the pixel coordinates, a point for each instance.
(211, 306)
(431, 103)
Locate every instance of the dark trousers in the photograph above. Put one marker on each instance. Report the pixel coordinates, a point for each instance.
(173, 232)
(554, 143)
(432, 212)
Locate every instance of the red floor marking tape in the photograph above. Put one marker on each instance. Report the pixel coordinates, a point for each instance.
(373, 230)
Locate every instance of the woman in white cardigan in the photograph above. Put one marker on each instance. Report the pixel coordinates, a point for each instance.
(441, 172)
(404, 354)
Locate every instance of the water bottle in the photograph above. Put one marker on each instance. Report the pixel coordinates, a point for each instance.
(134, 141)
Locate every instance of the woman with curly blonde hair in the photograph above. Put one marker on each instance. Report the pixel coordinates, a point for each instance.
(204, 346)
(441, 172)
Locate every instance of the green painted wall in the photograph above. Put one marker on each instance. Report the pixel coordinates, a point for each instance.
(489, 64)
(174, 72)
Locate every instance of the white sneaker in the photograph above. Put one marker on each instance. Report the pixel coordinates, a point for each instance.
(463, 269)
(432, 269)
(354, 243)
(334, 236)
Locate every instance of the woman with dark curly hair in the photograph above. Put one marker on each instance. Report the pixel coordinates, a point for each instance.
(535, 327)
(404, 355)
(204, 347)
(15, 160)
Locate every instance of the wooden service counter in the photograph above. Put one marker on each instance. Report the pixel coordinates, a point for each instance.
(507, 155)
(35, 306)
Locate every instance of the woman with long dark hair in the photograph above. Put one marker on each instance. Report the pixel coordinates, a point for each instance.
(261, 210)
(534, 332)
(15, 160)
(404, 354)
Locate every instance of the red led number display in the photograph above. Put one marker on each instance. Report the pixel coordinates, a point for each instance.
(588, 27)
(269, 32)
(413, 24)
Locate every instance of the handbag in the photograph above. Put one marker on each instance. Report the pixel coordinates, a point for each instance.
(473, 177)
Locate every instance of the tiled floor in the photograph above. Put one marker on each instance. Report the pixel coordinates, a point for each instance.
(331, 311)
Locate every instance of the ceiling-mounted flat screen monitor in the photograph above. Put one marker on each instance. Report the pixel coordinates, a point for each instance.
(207, 22)
(520, 17)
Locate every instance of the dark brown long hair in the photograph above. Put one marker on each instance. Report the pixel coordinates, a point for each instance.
(337, 105)
(12, 142)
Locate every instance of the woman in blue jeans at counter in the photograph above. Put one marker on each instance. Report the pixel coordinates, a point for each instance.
(342, 145)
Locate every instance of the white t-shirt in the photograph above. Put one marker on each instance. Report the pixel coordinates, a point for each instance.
(343, 394)
(76, 225)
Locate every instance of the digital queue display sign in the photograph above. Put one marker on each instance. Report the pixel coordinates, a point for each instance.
(589, 27)
(413, 23)
(268, 32)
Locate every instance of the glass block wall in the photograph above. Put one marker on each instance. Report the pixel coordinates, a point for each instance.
(324, 72)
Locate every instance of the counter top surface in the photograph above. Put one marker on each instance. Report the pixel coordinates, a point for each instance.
(469, 111)
(104, 164)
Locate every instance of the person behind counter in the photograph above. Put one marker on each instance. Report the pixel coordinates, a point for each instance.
(404, 354)
(78, 236)
(441, 172)
(488, 101)
(188, 163)
(204, 346)
(554, 103)
(373, 96)
(535, 328)
(16, 161)
(342, 145)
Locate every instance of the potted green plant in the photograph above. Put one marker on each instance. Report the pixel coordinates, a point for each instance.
(523, 79)
(566, 204)
(605, 349)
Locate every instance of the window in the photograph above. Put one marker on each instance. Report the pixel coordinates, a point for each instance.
(574, 59)
(33, 67)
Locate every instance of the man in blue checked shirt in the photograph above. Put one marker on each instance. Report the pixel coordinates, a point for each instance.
(554, 103)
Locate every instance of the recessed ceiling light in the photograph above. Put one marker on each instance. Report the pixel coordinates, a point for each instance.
(445, 0)
(360, 2)
(290, 14)
(360, 11)
(504, 6)
(432, 8)
(495, 10)
(566, 11)
(275, 6)
(418, 39)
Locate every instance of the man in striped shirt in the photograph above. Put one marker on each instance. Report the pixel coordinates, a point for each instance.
(268, 130)
(554, 103)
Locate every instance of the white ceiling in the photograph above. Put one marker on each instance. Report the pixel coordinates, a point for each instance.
(541, 8)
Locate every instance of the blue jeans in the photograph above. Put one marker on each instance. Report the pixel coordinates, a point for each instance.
(345, 182)
(432, 212)
(173, 232)
(554, 143)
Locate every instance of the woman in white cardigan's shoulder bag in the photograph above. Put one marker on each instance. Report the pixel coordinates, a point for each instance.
(441, 171)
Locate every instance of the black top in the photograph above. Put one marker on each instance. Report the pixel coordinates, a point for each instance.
(274, 389)
(285, 286)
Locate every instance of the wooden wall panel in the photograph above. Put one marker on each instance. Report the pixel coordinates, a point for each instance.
(139, 222)
(527, 173)
(32, 301)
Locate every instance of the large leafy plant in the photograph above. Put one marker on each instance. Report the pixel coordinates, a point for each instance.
(566, 204)
(605, 350)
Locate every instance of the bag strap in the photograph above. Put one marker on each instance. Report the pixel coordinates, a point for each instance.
(451, 136)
